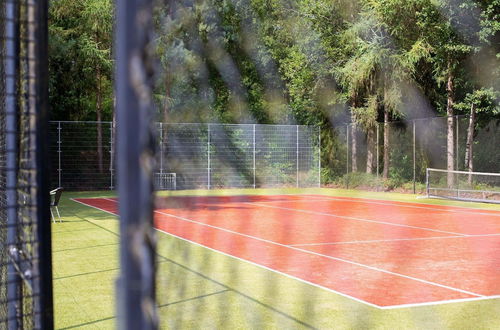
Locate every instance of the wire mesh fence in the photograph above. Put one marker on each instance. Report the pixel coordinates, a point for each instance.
(25, 260)
(396, 155)
(206, 156)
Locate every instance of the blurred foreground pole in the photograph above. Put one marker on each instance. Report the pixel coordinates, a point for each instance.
(135, 160)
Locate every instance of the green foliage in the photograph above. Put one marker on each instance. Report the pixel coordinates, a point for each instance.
(80, 64)
(315, 62)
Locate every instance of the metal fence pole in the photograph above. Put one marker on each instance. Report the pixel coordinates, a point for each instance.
(11, 151)
(209, 183)
(161, 148)
(378, 155)
(59, 142)
(254, 168)
(42, 269)
(347, 156)
(111, 155)
(456, 142)
(414, 161)
(134, 110)
(297, 155)
(319, 157)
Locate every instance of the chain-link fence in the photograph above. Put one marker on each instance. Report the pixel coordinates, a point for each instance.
(25, 257)
(203, 156)
(396, 155)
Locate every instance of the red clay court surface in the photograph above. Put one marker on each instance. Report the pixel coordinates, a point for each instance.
(383, 253)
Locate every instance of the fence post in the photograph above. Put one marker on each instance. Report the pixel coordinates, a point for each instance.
(161, 148)
(297, 157)
(456, 146)
(414, 160)
(319, 156)
(208, 158)
(11, 64)
(111, 155)
(254, 169)
(136, 301)
(59, 142)
(377, 150)
(347, 156)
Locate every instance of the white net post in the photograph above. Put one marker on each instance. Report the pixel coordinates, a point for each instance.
(427, 183)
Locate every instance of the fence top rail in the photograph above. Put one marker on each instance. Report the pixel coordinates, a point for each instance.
(80, 122)
(159, 122)
(462, 172)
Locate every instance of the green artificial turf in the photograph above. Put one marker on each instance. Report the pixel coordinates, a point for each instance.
(200, 288)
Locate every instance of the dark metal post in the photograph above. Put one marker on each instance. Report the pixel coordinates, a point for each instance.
(135, 142)
(11, 132)
(43, 286)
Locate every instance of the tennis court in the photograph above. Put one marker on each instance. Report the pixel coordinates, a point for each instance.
(386, 254)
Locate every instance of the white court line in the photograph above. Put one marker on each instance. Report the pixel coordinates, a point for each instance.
(392, 240)
(479, 297)
(317, 254)
(321, 255)
(356, 219)
(402, 204)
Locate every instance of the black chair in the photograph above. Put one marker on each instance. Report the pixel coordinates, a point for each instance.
(55, 197)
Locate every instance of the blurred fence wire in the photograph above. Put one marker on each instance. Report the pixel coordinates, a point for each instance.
(25, 257)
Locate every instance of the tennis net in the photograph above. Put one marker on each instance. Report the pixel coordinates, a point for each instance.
(463, 185)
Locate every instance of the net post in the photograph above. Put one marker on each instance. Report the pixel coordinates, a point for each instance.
(254, 169)
(136, 302)
(414, 160)
(297, 154)
(208, 159)
(59, 142)
(427, 184)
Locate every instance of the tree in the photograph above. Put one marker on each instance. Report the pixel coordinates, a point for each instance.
(82, 31)
(482, 102)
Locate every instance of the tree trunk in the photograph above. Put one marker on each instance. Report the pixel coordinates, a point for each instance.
(469, 164)
(369, 150)
(385, 173)
(450, 145)
(99, 118)
(354, 140)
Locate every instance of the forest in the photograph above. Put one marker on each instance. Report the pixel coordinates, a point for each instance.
(324, 63)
